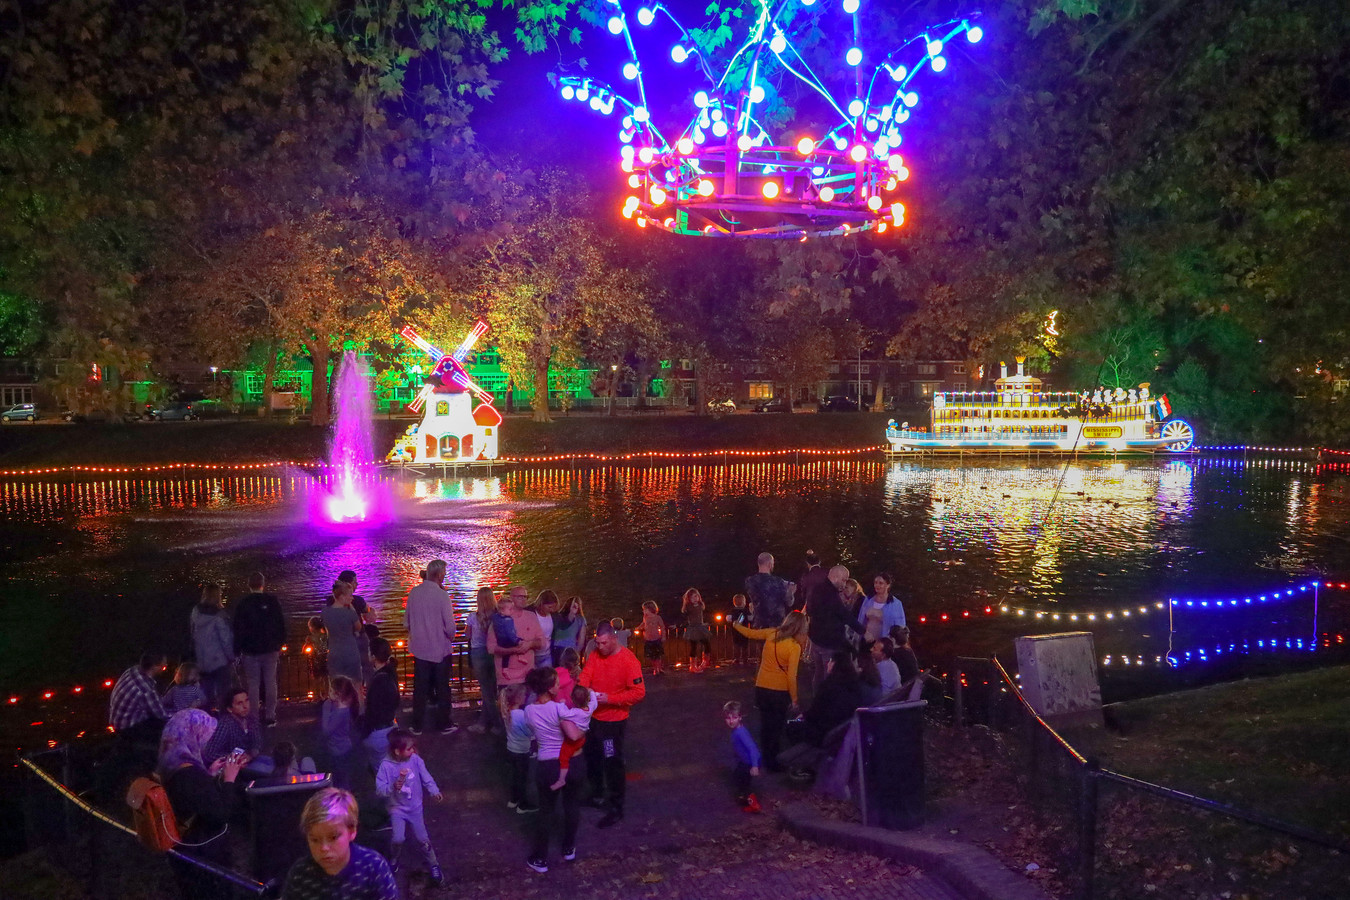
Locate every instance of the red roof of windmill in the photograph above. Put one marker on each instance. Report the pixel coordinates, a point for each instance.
(487, 415)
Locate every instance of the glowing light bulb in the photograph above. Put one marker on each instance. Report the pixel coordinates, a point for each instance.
(853, 56)
(975, 34)
(627, 151)
(891, 184)
(898, 213)
(641, 222)
(779, 43)
(701, 99)
(881, 228)
(719, 128)
(939, 63)
(628, 212)
(699, 136)
(808, 2)
(646, 16)
(568, 92)
(658, 196)
(645, 155)
(874, 202)
(806, 146)
(596, 103)
(850, 6)
(629, 71)
(911, 99)
(873, 124)
(634, 180)
(858, 153)
(640, 113)
(827, 194)
(716, 115)
(856, 107)
(615, 25)
(705, 187)
(684, 146)
(757, 94)
(678, 53)
(770, 189)
(626, 165)
(583, 93)
(840, 143)
(934, 48)
(631, 202)
(744, 143)
(898, 73)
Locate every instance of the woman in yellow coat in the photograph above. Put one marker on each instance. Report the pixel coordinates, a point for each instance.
(776, 683)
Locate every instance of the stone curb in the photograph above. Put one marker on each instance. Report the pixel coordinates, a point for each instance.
(970, 871)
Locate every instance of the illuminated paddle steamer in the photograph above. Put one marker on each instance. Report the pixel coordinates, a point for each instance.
(1018, 416)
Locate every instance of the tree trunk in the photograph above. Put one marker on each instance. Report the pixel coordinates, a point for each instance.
(879, 396)
(269, 380)
(319, 354)
(700, 388)
(540, 401)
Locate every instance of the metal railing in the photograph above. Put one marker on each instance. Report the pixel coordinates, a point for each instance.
(88, 844)
(1092, 818)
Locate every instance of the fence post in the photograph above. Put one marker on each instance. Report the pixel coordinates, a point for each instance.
(958, 696)
(1087, 825)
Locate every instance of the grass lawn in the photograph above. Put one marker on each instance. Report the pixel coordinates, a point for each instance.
(1274, 745)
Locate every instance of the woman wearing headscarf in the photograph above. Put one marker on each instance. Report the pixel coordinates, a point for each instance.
(202, 803)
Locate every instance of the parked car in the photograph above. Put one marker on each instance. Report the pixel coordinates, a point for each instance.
(23, 412)
(96, 417)
(840, 403)
(173, 412)
(776, 404)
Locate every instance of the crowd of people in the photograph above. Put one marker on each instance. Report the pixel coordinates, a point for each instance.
(553, 691)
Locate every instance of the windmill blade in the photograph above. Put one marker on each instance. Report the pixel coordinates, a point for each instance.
(422, 343)
(463, 350)
(421, 398)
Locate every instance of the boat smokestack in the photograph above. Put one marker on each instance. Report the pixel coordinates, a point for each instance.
(1020, 361)
(1002, 369)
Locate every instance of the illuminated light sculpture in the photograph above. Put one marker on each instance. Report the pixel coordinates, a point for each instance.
(725, 175)
(452, 428)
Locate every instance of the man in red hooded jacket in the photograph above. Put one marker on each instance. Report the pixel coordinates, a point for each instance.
(615, 675)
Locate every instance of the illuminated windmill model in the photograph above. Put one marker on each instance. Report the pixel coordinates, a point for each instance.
(452, 429)
(725, 175)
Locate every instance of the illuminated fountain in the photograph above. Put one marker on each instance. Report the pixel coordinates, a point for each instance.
(354, 494)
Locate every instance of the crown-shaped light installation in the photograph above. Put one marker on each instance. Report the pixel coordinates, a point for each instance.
(726, 176)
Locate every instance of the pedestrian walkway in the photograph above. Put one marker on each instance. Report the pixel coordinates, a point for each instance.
(683, 835)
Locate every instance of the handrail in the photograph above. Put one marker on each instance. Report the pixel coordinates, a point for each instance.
(233, 878)
(1003, 673)
(1214, 806)
(1297, 831)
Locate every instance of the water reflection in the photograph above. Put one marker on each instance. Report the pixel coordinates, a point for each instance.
(97, 568)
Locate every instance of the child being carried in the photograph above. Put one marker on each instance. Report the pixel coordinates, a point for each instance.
(582, 704)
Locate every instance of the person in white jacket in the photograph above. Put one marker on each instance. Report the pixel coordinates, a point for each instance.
(400, 780)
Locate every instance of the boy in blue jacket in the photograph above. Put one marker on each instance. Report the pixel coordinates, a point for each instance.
(747, 757)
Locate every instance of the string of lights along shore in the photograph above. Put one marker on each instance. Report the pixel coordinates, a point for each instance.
(725, 174)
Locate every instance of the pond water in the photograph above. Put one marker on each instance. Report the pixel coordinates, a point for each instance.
(95, 570)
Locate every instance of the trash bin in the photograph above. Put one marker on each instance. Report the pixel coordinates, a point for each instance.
(275, 805)
(890, 758)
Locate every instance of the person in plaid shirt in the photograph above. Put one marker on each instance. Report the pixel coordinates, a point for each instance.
(135, 710)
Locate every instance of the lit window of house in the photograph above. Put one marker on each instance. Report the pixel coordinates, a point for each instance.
(761, 390)
(927, 369)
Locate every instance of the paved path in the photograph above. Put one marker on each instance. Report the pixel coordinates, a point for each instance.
(683, 837)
